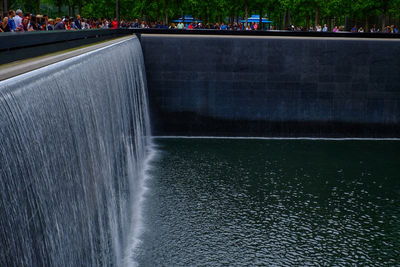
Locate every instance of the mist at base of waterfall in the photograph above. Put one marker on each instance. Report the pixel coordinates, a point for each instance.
(227, 202)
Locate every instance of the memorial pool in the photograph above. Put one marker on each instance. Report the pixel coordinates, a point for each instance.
(244, 202)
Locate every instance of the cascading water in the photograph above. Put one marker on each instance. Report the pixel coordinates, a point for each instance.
(75, 139)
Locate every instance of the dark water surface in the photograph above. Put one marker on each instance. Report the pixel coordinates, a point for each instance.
(226, 202)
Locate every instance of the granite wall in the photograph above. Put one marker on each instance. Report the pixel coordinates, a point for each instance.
(273, 86)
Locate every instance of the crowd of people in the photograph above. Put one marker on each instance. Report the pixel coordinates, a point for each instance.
(355, 28)
(16, 21)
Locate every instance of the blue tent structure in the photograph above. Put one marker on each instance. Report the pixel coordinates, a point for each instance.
(256, 18)
(188, 19)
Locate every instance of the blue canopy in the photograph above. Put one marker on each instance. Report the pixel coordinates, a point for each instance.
(256, 18)
(188, 19)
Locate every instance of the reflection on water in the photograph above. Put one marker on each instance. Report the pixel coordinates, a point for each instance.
(231, 202)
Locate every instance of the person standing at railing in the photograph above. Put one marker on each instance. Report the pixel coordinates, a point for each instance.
(77, 23)
(23, 27)
(33, 25)
(255, 26)
(4, 23)
(114, 24)
(85, 24)
(46, 22)
(18, 18)
(41, 24)
(50, 25)
(104, 24)
(223, 26)
(180, 26)
(59, 24)
(11, 22)
(4, 27)
(136, 24)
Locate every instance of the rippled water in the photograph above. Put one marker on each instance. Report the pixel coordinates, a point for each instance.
(216, 202)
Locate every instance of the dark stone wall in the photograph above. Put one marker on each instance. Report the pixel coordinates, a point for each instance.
(273, 86)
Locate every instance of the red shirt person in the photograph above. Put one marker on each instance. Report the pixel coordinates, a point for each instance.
(114, 24)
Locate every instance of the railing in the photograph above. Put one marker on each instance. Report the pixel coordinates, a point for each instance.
(268, 33)
(16, 40)
(18, 46)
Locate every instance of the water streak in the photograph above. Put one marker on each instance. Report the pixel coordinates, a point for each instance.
(73, 151)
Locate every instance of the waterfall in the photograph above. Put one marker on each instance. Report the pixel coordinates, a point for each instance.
(74, 142)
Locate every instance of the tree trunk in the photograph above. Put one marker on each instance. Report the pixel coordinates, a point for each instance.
(385, 5)
(166, 12)
(259, 24)
(246, 10)
(117, 9)
(37, 6)
(316, 14)
(206, 17)
(384, 20)
(286, 19)
(366, 26)
(182, 13)
(59, 4)
(5, 7)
